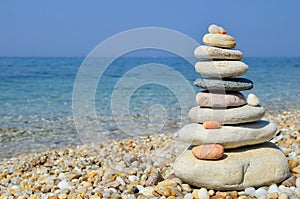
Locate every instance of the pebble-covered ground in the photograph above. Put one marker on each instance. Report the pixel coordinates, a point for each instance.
(134, 168)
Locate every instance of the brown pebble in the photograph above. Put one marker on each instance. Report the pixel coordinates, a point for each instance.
(212, 125)
(208, 151)
(154, 179)
(291, 181)
(218, 197)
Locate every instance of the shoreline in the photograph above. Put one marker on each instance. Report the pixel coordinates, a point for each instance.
(46, 134)
(121, 168)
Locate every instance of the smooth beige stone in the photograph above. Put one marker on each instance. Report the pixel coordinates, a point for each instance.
(219, 40)
(253, 166)
(236, 115)
(211, 52)
(219, 100)
(221, 68)
(228, 136)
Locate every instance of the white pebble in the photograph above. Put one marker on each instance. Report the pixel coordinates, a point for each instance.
(250, 191)
(15, 187)
(262, 197)
(113, 190)
(273, 188)
(287, 190)
(106, 193)
(298, 182)
(120, 180)
(281, 187)
(139, 187)
(203, 194)
(276, 138)
(133, 178)
(252, 100)
(62, 176)
(260, 192)
(147, 191)
(283, 196)
(64, 185)
(213, 29)
(188, 196)
(297, 192)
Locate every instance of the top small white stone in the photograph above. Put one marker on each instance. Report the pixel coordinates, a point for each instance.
(252, 100)
(213, 29)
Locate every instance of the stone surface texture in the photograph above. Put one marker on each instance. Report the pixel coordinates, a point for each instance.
(228, 136)
(208, 151)
(221, 68)
(228, 84)
(219, 40)
(221, 99)
(253, 166)
(237, 115)
(211, 52)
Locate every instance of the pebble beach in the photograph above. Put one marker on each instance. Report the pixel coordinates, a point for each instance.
(139, 167)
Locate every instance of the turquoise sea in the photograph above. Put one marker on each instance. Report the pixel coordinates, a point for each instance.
(36, 97)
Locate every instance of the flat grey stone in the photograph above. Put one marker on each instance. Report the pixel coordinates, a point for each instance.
(253, 166)
(236, 115)
(228, 136)
(228, 84)
(210, 52)
(219, 40)
(221, 68)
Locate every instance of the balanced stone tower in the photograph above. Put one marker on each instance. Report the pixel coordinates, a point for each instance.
(229, 148)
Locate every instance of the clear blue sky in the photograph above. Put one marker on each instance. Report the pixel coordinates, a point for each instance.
(74, 28)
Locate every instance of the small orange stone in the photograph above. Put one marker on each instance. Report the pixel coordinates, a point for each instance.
(289, 141)
(212, 125)
(208, 151)
(222, 32)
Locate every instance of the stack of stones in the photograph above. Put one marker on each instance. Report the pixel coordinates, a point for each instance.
(229, 142)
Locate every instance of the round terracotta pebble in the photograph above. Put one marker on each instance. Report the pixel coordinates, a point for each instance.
(212, 125)
(208, 151)
(222, 32)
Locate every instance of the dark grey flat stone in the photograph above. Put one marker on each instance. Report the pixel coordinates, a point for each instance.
(229, 84)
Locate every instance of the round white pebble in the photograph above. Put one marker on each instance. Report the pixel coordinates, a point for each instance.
(250, 191)
(283, 196)
(260, 192)
(133, 178)
(298, 182)
(139, 187)
(64, 185)
(273, 189)
(188, 196)
(297, 192)
(62, 176)
(203, 194)
(252, 100)
(213, 29)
